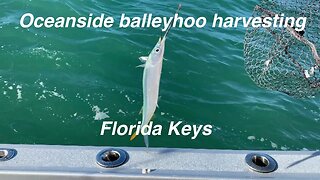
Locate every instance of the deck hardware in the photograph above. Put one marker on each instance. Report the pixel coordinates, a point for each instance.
(111, 158)
(146, 171)
(260, 162)
(7, 154)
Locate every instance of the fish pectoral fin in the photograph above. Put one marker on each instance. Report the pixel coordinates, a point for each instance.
(143, 59)
(142, 65)
(141, 110)
(165, 59)
(134, 135)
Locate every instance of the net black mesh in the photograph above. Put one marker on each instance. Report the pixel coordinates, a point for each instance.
(276, 59)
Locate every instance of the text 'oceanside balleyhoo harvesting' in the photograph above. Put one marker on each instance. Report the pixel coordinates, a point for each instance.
(28, 20)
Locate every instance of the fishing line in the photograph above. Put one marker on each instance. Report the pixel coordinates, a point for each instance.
(170, 26)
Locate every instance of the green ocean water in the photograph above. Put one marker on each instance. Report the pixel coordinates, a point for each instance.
(54, 82)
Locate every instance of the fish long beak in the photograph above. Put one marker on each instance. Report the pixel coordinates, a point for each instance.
(163, 40)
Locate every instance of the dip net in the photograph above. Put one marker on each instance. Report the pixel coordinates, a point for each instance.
(282, 58)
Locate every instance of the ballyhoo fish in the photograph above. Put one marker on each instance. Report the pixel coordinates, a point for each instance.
(151, 81)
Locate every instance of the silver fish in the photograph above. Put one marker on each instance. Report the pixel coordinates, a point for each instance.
(151, 81)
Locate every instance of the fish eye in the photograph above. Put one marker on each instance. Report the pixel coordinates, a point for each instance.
(157, 50)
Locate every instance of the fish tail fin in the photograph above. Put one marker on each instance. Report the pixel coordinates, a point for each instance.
(146, 140)
(134, 135)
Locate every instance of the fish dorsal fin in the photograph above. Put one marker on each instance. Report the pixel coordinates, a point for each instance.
(143, 59)
(158, 101)
(153, 117)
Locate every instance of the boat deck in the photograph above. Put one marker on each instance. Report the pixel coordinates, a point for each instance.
(79, 162)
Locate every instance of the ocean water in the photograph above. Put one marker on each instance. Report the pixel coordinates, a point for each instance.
(57, 86)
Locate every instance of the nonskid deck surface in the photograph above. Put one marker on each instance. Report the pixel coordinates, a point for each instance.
(79, 162)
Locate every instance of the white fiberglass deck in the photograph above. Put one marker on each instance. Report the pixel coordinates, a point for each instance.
(74, 162)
